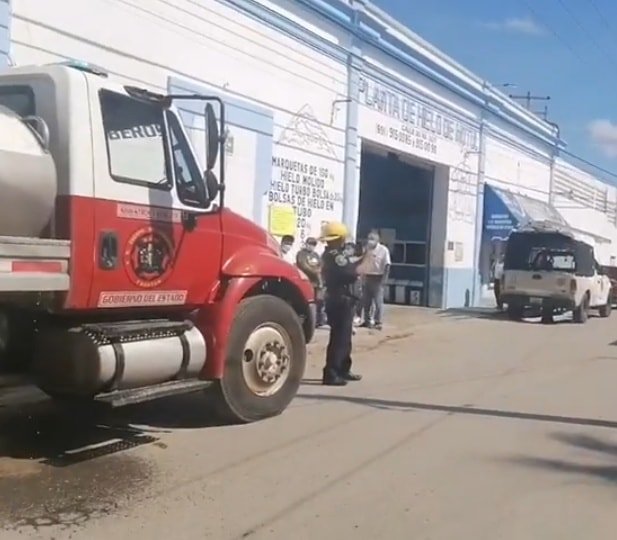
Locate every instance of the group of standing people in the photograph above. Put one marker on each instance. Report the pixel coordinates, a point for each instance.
(348, 280)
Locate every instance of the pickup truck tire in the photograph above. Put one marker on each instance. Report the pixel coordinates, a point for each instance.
(605, 311)
(266, 359)
(581, 313)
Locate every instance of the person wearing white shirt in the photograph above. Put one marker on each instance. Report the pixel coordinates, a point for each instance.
(375, 278)
(287, 244)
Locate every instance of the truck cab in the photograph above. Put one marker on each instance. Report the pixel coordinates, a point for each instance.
(121, 228)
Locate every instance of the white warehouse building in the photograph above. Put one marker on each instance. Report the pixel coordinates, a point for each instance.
(338, 112)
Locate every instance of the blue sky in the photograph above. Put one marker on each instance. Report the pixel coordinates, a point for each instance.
(566, 49)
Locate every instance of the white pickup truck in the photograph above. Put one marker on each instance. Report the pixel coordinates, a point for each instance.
(552, 272)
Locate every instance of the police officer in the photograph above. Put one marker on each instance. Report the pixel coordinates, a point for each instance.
(309, 262)
(340, 274)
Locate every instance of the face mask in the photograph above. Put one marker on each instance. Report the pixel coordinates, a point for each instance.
(310, 249)
(348, 252)
(285, 248)
(372, 244)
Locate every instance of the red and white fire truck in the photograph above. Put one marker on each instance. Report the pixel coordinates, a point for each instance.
(123, 277)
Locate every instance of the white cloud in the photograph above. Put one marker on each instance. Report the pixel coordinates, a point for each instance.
(604, 134)
(517, 25)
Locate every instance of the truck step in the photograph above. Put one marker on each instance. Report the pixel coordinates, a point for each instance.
(135, 330)
(122, 398)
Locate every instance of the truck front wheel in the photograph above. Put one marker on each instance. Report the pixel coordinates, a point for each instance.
(266, 359)
(581, 313)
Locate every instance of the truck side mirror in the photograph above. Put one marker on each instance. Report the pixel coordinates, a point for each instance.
(213, 138)
(212, 185)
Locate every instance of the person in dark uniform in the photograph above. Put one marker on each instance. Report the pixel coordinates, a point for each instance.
(340, 274)
(309, 262)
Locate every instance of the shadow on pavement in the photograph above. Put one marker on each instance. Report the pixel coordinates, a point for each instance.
(474, 313)
(457, 409)
(60, 438)
(63, 469)
(607, 473)
(493, 314)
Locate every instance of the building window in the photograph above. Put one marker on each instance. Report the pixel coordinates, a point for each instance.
(19, 99)
(135, 136)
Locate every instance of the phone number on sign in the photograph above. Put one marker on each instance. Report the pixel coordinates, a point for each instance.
(415, 141)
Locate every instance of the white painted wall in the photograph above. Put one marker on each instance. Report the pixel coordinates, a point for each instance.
(514, 165)
(209, 43)
(589, 206)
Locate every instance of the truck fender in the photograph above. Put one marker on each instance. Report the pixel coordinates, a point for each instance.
(257, 260)
(215, 319)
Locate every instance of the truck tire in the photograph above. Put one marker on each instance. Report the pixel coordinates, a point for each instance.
(265, 363)
(581, 313)
(605, 311)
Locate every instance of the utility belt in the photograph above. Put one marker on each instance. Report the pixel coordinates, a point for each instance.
(343, 292)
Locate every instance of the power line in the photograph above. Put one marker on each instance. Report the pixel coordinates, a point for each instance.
(589, 35)
(601, 16)
(557, 36)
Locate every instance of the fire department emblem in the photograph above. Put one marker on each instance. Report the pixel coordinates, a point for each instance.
(148, 257)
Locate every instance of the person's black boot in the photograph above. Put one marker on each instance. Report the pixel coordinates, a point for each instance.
(334, 381)
(331, 378)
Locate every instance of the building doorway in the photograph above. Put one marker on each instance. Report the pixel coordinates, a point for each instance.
(396, 199)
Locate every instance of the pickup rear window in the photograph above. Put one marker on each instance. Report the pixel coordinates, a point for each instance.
(18, 98)
(548, 251)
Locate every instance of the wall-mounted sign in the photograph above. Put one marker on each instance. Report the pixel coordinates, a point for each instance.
(407, 123)
(282, 220)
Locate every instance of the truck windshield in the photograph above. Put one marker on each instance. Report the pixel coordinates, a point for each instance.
(135, 135)
(541, 251)
(139, 135)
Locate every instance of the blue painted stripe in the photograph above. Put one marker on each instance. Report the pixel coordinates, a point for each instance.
(275, 20)
(263, 176)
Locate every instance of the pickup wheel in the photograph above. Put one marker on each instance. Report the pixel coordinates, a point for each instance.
(605, 311)
(266, 359)
(581, 313)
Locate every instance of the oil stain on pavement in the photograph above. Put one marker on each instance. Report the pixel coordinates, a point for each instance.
(60, 473)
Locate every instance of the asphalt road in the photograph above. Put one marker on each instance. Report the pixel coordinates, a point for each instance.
(470, 428)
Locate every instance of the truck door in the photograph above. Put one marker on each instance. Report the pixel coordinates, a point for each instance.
(148, 253)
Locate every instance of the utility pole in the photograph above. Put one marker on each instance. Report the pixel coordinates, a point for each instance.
(529, 98)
